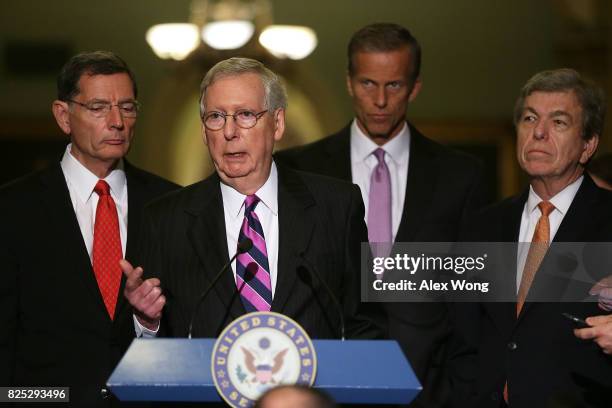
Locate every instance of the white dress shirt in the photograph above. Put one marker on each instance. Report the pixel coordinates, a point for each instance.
(397, 155)
(81, 183)
(267, 212)
(531, 214)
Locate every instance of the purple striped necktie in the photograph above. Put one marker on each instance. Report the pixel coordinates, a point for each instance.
(252, 268)
(379, 205)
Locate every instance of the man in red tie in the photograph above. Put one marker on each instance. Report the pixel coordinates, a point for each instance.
(525, 354)
(64, 230)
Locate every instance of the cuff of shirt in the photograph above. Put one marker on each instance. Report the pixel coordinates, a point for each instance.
(142, 331)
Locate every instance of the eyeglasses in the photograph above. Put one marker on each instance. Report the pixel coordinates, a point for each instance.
(100, 109)
(244, 119)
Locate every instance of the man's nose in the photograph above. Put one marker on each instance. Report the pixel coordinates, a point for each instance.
(229, 128)
(540, 130)
(381, 97)
(114, 118)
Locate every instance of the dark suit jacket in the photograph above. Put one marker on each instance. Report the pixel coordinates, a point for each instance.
(537, 354)
(55, 330)
(443, 186)
(320, 223)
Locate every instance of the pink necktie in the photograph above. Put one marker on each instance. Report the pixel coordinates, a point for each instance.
(379, 205)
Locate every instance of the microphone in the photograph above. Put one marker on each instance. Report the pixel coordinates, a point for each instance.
(333, 297)
(243, 246)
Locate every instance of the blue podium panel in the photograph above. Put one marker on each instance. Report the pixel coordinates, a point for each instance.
(352, 371)
(365, 372)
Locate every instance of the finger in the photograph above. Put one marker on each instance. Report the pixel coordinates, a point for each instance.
(126, 267)
(154, 310)
(605, 294)
(607, 305)
(147, 293)
(604, 343)
(152, 296)
(595, 289)
(134, 278)
(138, 296)
(598, 320)
(605, 283)
(147, 286)
(585, 334)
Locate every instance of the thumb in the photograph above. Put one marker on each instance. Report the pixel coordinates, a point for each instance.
(126, 267)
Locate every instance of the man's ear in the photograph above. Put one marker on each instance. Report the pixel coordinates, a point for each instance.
(349, 85)
(279, 124)
(61, 113)
(590, 147)
(416, 88)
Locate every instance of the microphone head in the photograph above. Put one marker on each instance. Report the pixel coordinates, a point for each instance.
(245, 245)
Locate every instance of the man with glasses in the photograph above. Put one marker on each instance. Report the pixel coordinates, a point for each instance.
(305, 230)
(64, 229)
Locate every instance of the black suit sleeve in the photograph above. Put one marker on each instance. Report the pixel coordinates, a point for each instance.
(150, 257)
(363, 320)
(8, 310)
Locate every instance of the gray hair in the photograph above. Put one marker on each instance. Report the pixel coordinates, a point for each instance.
(590, 97)
(275, 94)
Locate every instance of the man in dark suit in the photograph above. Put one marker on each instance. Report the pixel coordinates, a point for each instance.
(63, 320)
(431, 189)
(306, 229)
(525, 354)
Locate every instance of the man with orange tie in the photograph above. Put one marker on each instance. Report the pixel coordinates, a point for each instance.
(64, 230)
(524, 354)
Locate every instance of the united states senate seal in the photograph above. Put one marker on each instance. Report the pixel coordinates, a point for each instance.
(259, 351)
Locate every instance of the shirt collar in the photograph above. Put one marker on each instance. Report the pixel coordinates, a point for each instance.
(562, 200)
(83, 180)
(398, 148)
(233, 200)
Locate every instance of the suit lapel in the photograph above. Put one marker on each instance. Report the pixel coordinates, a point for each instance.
(63, 221)
(422, 174)
(581, 217)
(295, 225)
(207, 235)
(504, 314)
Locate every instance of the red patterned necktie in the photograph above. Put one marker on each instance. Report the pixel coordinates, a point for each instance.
(107, 247)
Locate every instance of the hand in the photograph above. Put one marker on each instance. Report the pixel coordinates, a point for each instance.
(145, 296)
(603, 289)
(600, 331)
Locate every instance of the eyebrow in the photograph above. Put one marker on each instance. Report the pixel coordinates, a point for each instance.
(100, 100)
(553, 114)
(557, 113)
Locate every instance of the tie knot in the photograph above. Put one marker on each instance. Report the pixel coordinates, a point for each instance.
(380, 155)
(250, 202)
(546, 207)
(102, 188)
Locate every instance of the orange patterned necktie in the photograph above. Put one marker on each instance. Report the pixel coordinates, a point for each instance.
(107, 247)
(537, 251)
